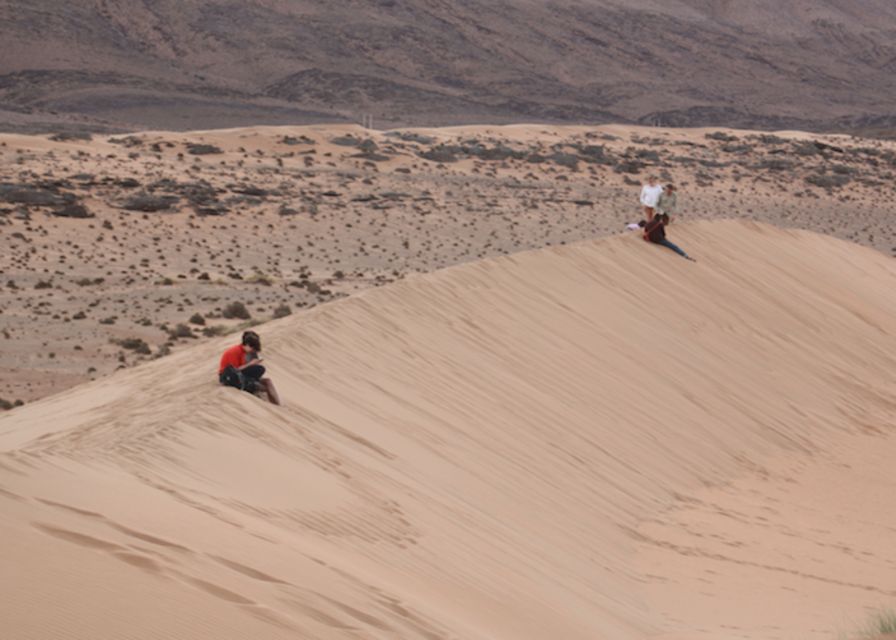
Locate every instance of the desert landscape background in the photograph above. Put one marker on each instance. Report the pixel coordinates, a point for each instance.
(119, 65)
(505, 416)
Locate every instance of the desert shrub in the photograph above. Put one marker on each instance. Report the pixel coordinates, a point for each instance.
(737, 148)
(202, 149)
(181, 331)
(69, 136)
(441, 153)
(368, 146)
(628, 166)
(828, 181)
(721, 136)
(881, 625)
(73, 210)
(236, 309)
(135, 344)
(282, 311)
(150, 203)
(163, 351)
(292, 140)
(259, 278)
(346, 141)
(704, 179)
(567, 160)
(775, 164)
(593, 152)
(771, 139)
(885, 622)
(197, 318)
(651, 155)
(410, 136)
(128, 141)
(805, 149)
(499, 152)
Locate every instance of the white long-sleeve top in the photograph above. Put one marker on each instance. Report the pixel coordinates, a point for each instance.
(651, 195)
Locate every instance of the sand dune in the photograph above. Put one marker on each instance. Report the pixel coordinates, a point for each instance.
(593, 441)
(179, 226)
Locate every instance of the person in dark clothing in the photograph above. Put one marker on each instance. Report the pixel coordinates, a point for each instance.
(241, 367)
(655, 232)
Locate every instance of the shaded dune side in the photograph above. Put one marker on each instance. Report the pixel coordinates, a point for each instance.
(463, 454)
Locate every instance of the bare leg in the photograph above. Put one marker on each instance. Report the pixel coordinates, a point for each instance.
(270, 390)
(648, 213)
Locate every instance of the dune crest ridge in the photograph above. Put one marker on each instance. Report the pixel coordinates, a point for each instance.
(600, 440)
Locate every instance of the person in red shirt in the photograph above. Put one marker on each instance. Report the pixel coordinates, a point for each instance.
(241, 367)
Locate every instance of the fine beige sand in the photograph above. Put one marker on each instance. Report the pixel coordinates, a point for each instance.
(600, 440)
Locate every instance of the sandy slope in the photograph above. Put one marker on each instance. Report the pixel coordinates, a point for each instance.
(593, 441)
(328, 219)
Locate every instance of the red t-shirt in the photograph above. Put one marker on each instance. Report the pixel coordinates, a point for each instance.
(234, 356)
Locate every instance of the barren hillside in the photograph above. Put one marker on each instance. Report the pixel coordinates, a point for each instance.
(207, 63)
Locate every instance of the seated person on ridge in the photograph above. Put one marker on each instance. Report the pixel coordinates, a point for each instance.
(241, 368)
(655, 232)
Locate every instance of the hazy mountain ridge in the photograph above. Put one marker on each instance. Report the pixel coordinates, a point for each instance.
(820, 65)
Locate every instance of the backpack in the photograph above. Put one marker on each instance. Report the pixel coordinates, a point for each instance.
(231, 377)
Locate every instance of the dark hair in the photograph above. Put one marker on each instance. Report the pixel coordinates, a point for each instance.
(664, 217)
(251, 339)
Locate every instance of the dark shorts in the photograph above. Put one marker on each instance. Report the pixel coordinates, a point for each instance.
(248, 379)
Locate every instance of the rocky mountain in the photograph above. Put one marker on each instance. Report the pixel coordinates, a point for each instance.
(183, 64)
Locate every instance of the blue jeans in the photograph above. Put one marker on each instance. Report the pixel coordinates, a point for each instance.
(673, 246)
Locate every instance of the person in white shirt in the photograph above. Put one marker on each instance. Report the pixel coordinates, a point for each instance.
(650, 195)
